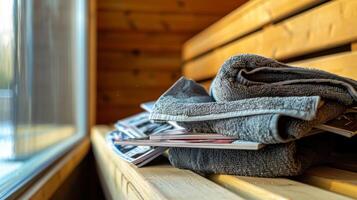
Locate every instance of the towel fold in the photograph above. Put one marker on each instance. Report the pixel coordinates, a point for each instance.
(257, 99)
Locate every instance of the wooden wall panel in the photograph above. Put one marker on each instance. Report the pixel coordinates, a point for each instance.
(141, 41)
(315, 29)
(136, 79)
(171, 6)
(248, 18)
(132, 61)
(154, 22)
(139, 48)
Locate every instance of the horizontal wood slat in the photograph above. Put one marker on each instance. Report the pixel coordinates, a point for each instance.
(131, 97)
(171, 6)
(247, 18)
(329, 25)
(131, 61)
(109, 114)
(151, 182)
(136, 79)
(138, 41)
(343, 64)
(154, 22)
(272, 188)
(335, 180)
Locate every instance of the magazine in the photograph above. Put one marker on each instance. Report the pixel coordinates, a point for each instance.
(182, 135)
(197, 143)
(345, 124)
(137, 127)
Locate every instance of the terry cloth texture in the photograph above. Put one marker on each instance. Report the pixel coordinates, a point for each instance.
(257, 99)
(288, 159)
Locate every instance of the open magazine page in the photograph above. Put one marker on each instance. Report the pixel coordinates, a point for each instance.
(137, 127)
(195, 143)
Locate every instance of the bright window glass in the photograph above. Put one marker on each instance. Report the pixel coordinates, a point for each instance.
(43, 70)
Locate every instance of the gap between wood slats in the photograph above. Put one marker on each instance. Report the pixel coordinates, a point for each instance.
(132, 61)
(315, 29)
(129, 97)
(141, 41)
(136, 79)
(171, 6)
(109, 114)
(246, 19)
(154, 22)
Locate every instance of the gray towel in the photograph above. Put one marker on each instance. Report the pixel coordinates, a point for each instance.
(288, 159)
(282, 108)
(257, 99)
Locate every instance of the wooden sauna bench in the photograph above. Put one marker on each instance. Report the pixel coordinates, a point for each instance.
(312, 33)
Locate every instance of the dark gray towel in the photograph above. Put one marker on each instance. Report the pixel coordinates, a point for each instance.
(287, 159)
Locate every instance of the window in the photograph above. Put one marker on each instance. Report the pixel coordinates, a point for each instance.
(43, 72)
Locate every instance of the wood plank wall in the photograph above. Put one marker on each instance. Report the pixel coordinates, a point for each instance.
(139, 48)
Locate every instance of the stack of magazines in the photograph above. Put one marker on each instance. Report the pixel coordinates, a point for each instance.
(138, 140)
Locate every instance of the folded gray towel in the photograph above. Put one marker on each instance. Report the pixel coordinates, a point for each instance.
(257, 99)
(284, 107)
(289, 159)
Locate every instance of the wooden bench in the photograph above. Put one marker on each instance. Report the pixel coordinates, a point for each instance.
(312, 33)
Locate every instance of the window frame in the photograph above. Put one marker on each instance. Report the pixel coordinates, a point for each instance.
(36, 165)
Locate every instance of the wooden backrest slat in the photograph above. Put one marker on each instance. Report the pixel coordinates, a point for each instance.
(342, 64)
(328, 25)
(247, 18)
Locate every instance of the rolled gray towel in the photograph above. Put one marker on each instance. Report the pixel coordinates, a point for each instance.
(289, 159)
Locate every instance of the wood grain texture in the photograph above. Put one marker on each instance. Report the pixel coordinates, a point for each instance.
(272, 188)
(328, 25)
(139, 46)
(139, 41)
(171, 6)
(151, 182)
(129, 97)
(109, 114)
(342, 64)
(335, 180)
(136, 79)
(154, 22)
(146, 62)
(247, 18)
